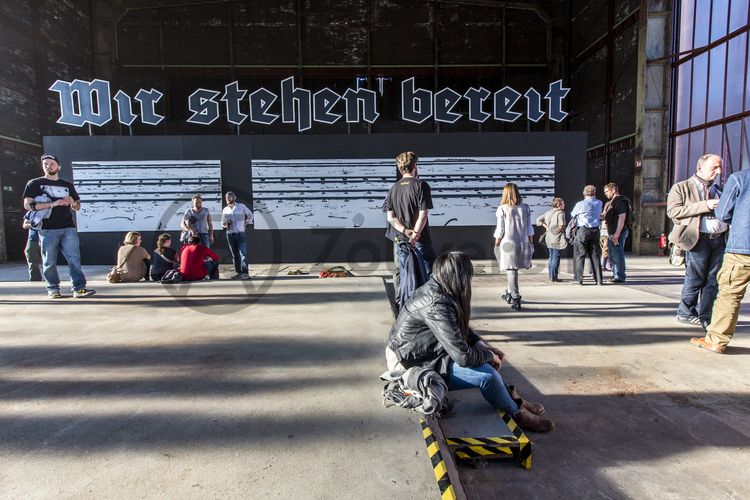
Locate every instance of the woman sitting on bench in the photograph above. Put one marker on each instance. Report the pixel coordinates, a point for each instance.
(433, 329)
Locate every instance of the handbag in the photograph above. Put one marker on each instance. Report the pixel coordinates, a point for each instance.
(676, 255)
(114, 274)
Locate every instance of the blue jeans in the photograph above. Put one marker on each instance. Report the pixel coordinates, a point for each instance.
(238, 249)
(66, 240)
(490, 383)
(553, 264)
(702, 264)
(205, 239)
(617, 255)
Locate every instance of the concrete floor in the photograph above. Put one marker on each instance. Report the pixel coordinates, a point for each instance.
(269, 388)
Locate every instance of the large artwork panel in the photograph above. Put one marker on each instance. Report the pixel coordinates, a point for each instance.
(121, 196)
(349, 192)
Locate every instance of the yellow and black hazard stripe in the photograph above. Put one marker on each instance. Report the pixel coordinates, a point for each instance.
(447, 491)
(493, 441)
(474, 452)
(523, 452)
(518, 446)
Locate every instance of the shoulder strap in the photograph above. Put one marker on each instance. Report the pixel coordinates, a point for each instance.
(127, 255)
(164, 257)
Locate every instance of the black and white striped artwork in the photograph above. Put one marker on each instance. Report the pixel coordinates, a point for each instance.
(121, 196)
(349, 193)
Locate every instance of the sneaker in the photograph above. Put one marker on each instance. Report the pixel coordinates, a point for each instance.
(689, 320)
(83, 292)
(54, 294)
(615, 280)
(237, 276)
(705, 324)
(245, 277)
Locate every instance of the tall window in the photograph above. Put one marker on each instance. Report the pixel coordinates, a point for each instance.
(711, 99)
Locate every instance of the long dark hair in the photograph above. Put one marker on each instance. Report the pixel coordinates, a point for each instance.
(453, 272)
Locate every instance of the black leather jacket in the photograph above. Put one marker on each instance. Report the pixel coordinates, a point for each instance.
(427, 333)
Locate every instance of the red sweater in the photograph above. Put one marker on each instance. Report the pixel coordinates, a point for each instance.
(191, 261)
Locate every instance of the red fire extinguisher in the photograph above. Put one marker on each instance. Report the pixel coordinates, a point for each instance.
(662, 244)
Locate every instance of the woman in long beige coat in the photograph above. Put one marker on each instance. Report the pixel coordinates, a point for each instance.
(513, 240)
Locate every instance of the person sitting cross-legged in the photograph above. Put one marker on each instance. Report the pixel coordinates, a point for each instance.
(133, 261)
(164, 258)
(193, 263)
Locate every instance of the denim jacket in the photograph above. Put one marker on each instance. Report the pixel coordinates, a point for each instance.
(734, 209)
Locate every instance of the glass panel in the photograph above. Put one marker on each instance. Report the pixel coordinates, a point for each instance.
(731, 153)
(695, 151)
(745, 147)
(717, 62)
(738, 14)
(698, 104)
(682, 113)
(702, 11)
(719, 13)
(747, 77)
(680, 158)
(736, 81)
(686, 24)
(713, 140)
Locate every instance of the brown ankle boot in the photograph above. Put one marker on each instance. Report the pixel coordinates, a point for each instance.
(530, 422)
(535, 408)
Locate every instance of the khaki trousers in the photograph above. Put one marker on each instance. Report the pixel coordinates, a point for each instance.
(733, 279)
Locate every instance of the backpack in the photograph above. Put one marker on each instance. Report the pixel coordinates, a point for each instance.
(172, 276)
(631, 212)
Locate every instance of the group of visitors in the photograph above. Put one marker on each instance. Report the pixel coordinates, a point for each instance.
(50, 203)
(195, 260)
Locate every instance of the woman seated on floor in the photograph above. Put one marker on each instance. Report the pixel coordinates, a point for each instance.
(132, 259)
(433, 329)
(164, 257)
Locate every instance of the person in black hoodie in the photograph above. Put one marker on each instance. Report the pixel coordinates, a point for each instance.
(433, 330)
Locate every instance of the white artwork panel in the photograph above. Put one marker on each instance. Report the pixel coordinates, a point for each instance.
(349, 193)
(121, 196)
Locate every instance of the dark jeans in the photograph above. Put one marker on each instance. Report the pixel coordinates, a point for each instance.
(428, 256)
(34, 259)
(586, 244)
(617, 255)
(553, 264)
(702, 263)
(212, 267)
(238, 249)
